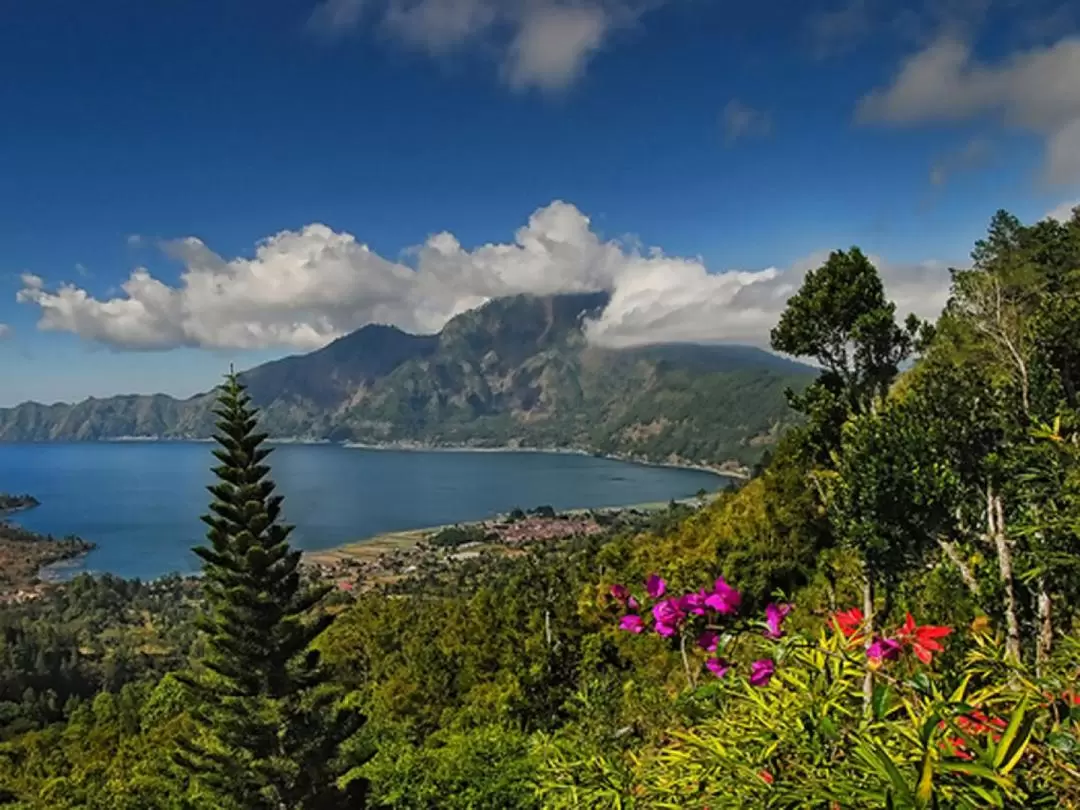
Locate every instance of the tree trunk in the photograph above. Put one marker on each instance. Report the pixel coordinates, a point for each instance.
(995, 521)
(868, 631)
(1045, 638)
(949, 548)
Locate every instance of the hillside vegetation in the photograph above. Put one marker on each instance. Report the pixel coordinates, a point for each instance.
(886, 616)
(516, 371)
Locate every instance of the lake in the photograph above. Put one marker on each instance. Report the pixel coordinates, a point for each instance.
(141, 501)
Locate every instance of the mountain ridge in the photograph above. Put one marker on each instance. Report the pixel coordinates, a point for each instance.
(515, 372)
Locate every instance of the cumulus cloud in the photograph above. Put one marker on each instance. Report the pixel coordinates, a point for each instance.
(1037, 90)
(544, 44)
(678, 300)
(301, 289)
(1063, 212)
(742, 121)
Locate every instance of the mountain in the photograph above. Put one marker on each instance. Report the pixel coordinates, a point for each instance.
(516, 371)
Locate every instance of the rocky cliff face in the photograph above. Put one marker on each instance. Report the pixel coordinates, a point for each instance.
(515, 371)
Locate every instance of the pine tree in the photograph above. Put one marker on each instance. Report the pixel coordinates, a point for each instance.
(270, 724)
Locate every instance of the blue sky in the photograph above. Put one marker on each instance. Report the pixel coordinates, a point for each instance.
(177, 137)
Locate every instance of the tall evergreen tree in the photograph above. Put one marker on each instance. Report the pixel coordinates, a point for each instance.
(271, 727)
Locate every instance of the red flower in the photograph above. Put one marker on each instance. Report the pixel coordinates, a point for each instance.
(849, 621)
(955, 747)
(766, 777)
(923, 640)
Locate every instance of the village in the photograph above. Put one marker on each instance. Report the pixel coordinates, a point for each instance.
(392, 557)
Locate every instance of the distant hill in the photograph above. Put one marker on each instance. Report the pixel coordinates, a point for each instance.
(514, 372)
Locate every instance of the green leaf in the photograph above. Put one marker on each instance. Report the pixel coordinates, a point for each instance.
(1014, 740)
(928, 728)
(926, 781)
(880, 702)
(1060, 741)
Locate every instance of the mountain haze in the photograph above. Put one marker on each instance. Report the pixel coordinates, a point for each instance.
(515, 372)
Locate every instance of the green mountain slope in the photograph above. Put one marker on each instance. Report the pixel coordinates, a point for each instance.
(517, 371)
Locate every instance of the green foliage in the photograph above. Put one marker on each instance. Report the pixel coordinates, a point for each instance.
(487, 768)
(503, 681)
(453, 536)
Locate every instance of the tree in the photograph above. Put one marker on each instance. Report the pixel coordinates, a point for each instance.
(272, 726)
(841, 318)
(998, 385)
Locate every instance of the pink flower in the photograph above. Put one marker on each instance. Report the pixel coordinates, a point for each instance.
(887, 649)
(632, 603)
(724, 599)
(668, 617)
(620, 593)
(693, 603)
(708, 641)
(655, 586)
(774, 617)
(632, 622)
(761, 672)
(718, 667)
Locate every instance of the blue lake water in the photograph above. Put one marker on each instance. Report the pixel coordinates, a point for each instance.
(141, 501)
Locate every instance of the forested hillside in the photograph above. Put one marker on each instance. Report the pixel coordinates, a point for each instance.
(516, 371)
(885, 616)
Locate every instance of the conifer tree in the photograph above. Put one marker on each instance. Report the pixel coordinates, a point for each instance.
(271, 726)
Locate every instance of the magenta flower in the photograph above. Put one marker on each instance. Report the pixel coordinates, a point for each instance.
(668, 617)
(884, 649)
(774, 618)
(724, 599)
(632, 622)
(655, 586)
(693, 603)
(708, 641)
(620, 592)
(761, 672)
(718, 667)
(632, 603)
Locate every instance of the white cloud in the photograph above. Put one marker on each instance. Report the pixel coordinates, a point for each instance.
(301, 289)
(1063, 212)
(677, 300)
(742, 121)
(544, 44)
(553, 45)
(1037, 90)
(5, 331)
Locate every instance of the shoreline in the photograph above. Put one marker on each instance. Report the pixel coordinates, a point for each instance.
(736, 471)
(370, 548)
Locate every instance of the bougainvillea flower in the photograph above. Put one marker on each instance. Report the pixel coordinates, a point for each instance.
(718, 667)
(849, 621)
(693, 603)
(654, 586)
(620, 593)
(724, 599)
(761, 672)
(632, 622)
(884, 649)
(668, 617)
(708, 641)
(923, 640)
(774, 618)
